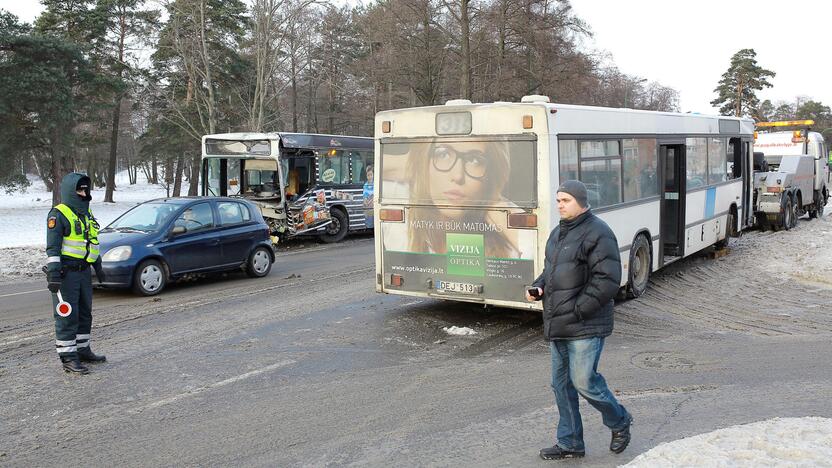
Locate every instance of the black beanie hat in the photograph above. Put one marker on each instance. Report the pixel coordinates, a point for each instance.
(575, 188)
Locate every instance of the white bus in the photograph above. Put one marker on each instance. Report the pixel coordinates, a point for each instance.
(466, 197)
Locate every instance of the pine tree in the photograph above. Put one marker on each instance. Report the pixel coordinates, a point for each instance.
(737, 90)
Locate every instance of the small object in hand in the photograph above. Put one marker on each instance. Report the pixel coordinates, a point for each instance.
(63, 308)
(534, 292)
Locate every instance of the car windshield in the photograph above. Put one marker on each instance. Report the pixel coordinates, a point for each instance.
(146, 217)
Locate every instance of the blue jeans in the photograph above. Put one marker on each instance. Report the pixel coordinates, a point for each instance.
(575, 372)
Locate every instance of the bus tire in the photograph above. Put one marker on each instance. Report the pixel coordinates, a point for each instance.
(338, 228)
(641, 263)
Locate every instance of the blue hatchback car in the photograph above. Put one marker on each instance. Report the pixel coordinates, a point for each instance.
(161, 240)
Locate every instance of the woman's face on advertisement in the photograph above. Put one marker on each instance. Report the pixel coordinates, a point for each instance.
(457, 173)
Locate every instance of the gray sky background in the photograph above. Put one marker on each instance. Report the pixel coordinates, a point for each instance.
(687, 45)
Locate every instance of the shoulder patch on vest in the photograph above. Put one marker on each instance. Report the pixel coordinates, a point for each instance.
(51, 222)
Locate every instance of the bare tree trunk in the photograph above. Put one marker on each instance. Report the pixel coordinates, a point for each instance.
(154, 170)
(193, 189)
(294, 70)
(465, 25)
(177, 178)
(111, 166)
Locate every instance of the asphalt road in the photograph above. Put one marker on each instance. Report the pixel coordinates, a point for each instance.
(310, 367)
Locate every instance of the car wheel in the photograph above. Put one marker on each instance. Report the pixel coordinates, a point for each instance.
(259, 263)
(641, 262)
(338, 228)
(150, 278)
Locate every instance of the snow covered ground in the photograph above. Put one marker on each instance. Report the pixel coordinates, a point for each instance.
(23, 230)
(778, 442)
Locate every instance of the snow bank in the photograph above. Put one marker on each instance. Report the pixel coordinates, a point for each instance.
(461, 331)
(23, 230)
(24, 214)
(778, 442)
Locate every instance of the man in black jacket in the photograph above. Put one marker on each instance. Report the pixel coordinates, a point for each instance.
(581, 276)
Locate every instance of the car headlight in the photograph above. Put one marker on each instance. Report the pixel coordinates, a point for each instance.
(117, 254)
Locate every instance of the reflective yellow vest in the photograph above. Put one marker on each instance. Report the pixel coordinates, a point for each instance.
(82, 241)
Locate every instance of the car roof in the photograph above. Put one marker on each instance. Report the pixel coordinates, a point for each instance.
(190, 199)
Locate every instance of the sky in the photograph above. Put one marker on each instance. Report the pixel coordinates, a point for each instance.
(688, 45)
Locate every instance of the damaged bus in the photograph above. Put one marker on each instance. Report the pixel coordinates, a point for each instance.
(303, 183)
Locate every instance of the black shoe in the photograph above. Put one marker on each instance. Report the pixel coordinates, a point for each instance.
(557, 453)
(620, 439)
(86, 355)
(72, 365)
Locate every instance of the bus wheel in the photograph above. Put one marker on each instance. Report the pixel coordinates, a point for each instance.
(641, 262)
(338, 228)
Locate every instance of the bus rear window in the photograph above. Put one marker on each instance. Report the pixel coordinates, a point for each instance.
(475, 173)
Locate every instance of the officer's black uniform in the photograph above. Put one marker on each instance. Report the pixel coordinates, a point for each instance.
(72, 275)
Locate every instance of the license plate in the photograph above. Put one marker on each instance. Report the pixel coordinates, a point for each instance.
(455, 287)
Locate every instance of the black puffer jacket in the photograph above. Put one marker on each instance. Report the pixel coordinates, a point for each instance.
(580, 278)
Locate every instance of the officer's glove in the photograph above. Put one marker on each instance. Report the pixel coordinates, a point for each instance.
(53, 280)
(99, 272)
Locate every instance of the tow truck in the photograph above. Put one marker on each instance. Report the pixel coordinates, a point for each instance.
(791, 173)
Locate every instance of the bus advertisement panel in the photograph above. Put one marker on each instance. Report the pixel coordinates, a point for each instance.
(455, 201)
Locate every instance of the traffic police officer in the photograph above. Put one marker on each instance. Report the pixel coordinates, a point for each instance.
(72, 247)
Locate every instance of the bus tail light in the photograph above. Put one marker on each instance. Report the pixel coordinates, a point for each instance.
(522, 220)
(528, 121)
(391, 215)
(385, 126)
(396, 280)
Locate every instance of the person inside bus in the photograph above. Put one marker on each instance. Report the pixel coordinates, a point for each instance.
(580, 278)
(462, 175)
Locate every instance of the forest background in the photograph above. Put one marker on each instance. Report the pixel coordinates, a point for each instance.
(103, 86)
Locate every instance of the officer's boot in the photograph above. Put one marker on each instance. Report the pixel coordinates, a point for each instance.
(86, 355)
(73, 365)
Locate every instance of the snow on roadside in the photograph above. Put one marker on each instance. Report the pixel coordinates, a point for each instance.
(778, 442)
(460, 331)
(23, 230)
(801, 253)
(24, 214)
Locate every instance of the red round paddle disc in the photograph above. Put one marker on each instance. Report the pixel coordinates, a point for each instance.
(64, 309)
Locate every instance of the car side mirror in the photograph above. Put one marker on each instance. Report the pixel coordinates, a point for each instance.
(177, 230)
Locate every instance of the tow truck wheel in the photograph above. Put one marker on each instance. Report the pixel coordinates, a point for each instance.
(788, 214)
(795, 213)
(641, 261)
(816, 211)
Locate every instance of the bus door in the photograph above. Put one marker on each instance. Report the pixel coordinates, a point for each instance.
(742, 167)
(672, 159)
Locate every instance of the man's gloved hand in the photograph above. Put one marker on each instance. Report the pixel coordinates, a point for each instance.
(53, 280)
(99, 272)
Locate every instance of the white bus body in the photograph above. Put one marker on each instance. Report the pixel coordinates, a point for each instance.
(674, 196)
